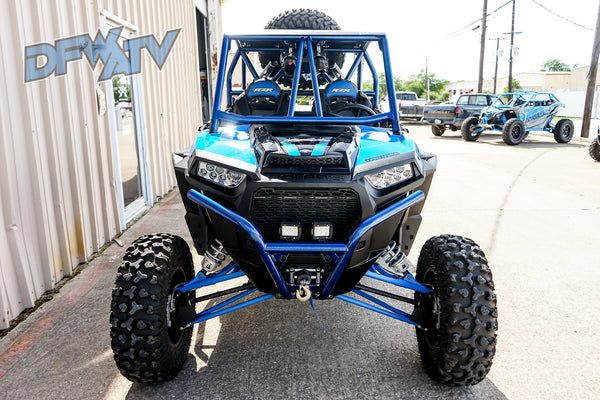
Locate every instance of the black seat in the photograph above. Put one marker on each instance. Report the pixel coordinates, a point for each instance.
(263, 97)
(343, 98)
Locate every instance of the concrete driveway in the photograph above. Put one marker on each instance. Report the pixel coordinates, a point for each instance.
(534, 209)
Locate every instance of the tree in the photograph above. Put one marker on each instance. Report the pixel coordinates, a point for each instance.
(555, 65)
(443, 96)
(418, 84)
(382, 85)
(368, 85)
(515, 86)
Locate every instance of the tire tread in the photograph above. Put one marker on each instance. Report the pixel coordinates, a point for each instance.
(139, 338)
(468, 319)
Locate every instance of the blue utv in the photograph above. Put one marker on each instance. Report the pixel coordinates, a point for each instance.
(516, 114)
(302, 185)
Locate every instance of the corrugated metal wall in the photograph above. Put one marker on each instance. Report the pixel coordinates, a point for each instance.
(57, 197)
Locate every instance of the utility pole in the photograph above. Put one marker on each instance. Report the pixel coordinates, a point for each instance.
(591, 81)
(512, 42)
(496, 68)
(482, 49)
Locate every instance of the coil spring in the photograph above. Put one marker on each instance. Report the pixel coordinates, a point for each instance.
(393, 260)
(213, 258)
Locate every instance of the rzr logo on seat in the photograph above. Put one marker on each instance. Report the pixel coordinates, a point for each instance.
(265, 90)
(340, 90)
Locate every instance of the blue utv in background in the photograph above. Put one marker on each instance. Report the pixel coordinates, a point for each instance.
(302, 186)
(516, 114)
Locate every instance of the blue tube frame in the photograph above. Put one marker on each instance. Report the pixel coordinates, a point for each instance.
(381, 307)
(233, 272)
(221, 309)
(341, 251)
(230, 272)
(224, 78)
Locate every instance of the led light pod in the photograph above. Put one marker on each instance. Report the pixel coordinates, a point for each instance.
(390, 177)
(220, 175)
(322, 230)
(290, 230)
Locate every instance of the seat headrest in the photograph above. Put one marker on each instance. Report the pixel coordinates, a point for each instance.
(263, 88)
(341, 88)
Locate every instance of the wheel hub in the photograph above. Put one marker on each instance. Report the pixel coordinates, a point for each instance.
(516, 132)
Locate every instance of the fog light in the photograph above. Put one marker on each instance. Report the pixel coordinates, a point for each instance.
(322, 230)
(289, 230)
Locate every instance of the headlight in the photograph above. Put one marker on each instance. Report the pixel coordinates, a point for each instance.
(219, 175)
(389, 177)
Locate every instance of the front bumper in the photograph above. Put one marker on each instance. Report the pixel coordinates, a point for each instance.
(341, 253)
(456, 122)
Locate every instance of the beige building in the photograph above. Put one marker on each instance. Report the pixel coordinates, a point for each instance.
(578, 80)
(539, 81)
(82, 156)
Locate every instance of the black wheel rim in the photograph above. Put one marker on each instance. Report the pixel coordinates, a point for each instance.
(515, 132)
(180, 299)
(472, 128)
(430, 302)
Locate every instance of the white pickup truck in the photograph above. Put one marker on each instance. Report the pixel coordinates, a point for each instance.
(409, 105)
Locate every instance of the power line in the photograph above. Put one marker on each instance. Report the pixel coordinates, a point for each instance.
(560, 16)
(464, 28)
(498, 9)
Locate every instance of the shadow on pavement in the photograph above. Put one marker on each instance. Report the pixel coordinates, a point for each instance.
(277, 350)
(531, 141)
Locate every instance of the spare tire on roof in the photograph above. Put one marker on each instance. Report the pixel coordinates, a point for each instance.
(303, 19)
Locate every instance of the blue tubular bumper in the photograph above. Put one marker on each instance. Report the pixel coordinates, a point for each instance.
(343, 251)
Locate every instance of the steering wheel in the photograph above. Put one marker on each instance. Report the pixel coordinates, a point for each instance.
(357, 109)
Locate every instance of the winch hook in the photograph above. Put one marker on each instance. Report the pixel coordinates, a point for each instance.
(303, 292)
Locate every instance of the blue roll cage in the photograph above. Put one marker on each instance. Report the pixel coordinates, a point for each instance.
(270, 252)
(305, 41)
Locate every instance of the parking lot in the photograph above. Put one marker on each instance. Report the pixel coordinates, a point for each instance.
(534, 209)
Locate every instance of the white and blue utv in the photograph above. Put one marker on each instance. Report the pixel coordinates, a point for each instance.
(516, 114)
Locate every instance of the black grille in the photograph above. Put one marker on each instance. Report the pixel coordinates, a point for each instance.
(275, 161)
(272, 206)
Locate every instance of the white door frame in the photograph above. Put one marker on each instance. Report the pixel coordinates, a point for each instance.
(140, 205)
(201, 7)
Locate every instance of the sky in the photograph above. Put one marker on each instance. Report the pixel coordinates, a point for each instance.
(446, 35)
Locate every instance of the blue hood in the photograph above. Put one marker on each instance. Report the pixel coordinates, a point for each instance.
(335, 151)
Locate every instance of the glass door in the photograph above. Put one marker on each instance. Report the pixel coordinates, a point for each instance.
(127, 139)
(128, 134)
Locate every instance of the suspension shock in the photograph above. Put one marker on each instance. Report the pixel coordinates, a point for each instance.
(215, 258)
(393, 260)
